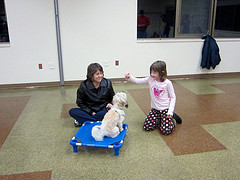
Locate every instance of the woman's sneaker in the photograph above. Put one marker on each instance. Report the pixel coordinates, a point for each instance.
(77, 124)
(177, 118)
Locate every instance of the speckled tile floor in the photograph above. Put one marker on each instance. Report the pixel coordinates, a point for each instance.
(35, 131)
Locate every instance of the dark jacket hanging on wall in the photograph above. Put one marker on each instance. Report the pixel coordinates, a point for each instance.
(210, 53)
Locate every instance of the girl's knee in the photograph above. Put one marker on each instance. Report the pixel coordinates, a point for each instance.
(151, 121)
(150, 125)
(167, 126)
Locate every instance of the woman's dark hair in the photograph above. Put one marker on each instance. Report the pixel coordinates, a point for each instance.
(160, 67)
(92, 68)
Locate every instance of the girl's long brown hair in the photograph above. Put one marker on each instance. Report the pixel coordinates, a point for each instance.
(160, 67)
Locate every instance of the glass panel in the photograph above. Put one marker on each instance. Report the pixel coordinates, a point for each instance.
(161, 16)
(3, 23)
(227, 23)
(195, 16)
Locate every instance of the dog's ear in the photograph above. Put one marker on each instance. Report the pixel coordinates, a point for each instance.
(124, 99)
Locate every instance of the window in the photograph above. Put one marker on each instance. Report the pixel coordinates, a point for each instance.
(227, 23)
(194, 18)
(188, 18)
(161, 14)
(4, 37)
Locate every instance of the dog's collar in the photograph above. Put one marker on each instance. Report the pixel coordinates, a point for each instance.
(119, 111)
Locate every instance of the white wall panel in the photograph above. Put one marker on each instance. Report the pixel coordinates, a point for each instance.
(94, 31)
(33, 40)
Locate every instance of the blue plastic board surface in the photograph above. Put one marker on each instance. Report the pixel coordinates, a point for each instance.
(84, 138)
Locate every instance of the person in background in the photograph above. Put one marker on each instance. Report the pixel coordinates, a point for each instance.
(142, 24)
(165, 26)
(94, 96)
(163, 99)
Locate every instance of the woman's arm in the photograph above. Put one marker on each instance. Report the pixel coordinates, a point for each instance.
(111, 94)
(81, 99)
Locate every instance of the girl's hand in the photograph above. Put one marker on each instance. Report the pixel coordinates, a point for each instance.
(169, 116)
(109, 105)
(93, 113)
(127, 76)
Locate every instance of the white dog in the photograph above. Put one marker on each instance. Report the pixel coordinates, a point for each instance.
(112, 122)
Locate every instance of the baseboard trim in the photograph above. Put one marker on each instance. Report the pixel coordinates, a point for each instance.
(30, 85)
(205, 76)
(116, 80)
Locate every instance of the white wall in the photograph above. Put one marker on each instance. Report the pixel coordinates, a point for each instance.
(33, 40)
(94, 31)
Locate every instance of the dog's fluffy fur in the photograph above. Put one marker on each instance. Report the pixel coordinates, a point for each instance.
(112, 122)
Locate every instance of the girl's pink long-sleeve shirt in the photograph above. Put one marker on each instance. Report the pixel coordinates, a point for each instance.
(162, 93)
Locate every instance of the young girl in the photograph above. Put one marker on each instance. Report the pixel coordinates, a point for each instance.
(163, 99)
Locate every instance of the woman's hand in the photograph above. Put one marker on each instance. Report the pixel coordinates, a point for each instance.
(109, 105)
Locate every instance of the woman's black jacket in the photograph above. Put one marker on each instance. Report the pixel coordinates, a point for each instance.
(90, 99)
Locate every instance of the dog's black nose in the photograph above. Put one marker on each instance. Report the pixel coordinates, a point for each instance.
(126, 106)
